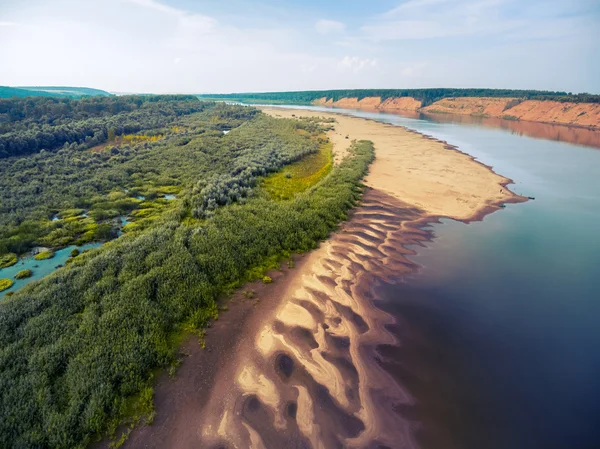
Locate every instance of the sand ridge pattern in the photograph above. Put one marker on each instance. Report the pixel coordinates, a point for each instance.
(312, 379)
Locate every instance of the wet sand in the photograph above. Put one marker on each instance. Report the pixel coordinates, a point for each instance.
(301, 366)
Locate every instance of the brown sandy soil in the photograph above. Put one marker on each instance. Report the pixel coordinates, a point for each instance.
(488, 107)
(299, 368)
(372, 104)
(579, 114)
(420, 171)
(572, 114)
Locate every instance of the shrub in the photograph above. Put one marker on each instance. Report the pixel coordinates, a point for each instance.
(23, 274)
(6, 284)
(44, 255)
(74, 252)
(267, 280)
(7, 260)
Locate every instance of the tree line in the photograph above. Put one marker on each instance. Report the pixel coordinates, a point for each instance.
(30, 125)
(426, 96)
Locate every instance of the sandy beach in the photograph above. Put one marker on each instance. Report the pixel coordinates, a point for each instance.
(426, 173)
(297, 366)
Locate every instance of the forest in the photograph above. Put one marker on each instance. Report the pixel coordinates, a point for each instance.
(78, 349)
(427, 96)
(30, 125)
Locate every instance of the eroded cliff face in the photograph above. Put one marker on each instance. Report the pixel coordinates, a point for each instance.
(581, 114)
(578, 114)
(480, 106)
(372, 103)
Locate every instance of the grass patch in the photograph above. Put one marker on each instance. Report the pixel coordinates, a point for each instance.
(6, 284)
(8, 260)
(299, 176)
(23, 274)
(44, 255)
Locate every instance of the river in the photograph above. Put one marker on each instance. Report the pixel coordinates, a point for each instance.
(500, 328)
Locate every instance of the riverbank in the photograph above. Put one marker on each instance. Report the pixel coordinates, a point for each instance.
(427, 173)
(582, 115)
(298, 364)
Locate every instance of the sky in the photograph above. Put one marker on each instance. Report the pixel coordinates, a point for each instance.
(186, 46)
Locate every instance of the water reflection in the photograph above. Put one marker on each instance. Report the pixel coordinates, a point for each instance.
(561, 133)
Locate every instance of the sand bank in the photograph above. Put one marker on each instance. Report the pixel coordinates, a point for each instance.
(298, 366)
(423, 172)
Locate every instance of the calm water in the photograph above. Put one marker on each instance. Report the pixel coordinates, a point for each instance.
(40, 268)
(500, 329)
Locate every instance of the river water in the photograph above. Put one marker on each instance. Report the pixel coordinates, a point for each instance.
(500, 328)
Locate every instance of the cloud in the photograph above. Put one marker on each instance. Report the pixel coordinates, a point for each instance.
(414, 69)
(329, 27)
(7, 24)
(356, 64)
(197, 22)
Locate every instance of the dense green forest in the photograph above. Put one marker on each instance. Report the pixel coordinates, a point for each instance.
(78, 348)
(427, 96)
(31, 125)
(50, 91)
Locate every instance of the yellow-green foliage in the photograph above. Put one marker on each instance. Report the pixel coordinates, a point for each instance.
(135, 138)
(301, 175)
(68, 213)
(267, 280)
(24, 274)
(5, 284)
(130, 227)
(141, 213)
(44, 255)
(168, 190)
(7, 260)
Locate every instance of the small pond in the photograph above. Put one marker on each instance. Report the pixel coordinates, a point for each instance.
(40, 268)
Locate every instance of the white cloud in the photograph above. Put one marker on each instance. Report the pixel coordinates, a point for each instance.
(198, 22)
(414, 69)
(329, 26)
(7, 24)
(356, 64)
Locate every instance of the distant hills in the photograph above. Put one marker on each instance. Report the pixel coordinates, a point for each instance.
(51, 91)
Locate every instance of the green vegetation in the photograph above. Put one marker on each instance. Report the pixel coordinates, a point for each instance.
(79, 348)
(23, 274)
(8, 260)
(31, 125)
(44, 255)
(75, 196)
(75, 252)
(427, 96)
(6, 284)
(301, 175)
(267, 280)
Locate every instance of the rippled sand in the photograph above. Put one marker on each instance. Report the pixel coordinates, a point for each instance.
(300, 369)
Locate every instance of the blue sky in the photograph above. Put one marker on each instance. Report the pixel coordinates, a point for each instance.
(236, 45)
